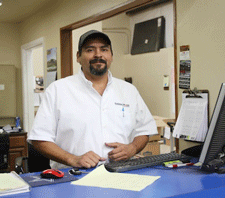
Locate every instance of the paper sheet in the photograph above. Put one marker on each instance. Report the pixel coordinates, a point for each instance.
(11, 183)
(100, 177)
(192, 122)
(7, 182)
(167, 133)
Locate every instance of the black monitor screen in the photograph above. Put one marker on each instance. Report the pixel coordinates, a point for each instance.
(214, 144)
(149, 36)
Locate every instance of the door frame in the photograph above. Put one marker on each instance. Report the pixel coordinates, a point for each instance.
(28, 81)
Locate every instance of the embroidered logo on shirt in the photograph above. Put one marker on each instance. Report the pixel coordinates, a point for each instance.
(124, 105)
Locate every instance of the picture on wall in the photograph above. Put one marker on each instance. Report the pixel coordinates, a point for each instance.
(185, 67)
(51, 66)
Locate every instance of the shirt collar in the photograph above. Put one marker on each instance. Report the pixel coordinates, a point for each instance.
(81, 74)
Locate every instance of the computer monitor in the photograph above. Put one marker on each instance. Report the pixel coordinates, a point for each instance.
(214, 145)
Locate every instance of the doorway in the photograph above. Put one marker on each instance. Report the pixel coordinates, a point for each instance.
(33, 61)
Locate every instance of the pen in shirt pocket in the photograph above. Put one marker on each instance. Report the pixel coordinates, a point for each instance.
(123, 110)
(123, 107)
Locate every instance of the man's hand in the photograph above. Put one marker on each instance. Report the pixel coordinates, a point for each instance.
(88, 160)
(54, 152)
(126, 151)
(121, 151)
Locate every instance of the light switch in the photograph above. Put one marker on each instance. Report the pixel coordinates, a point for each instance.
(2, 87)
(166, 81)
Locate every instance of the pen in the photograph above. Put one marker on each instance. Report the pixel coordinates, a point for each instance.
(179, 165)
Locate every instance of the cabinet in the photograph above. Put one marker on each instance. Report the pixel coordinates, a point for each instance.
(17, 148)
(8, 90)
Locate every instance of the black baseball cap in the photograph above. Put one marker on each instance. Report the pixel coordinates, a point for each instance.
(92, 34)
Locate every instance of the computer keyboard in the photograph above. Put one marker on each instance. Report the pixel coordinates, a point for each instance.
(142, 162)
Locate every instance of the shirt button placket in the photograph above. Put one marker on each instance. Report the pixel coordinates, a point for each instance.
(104, 120)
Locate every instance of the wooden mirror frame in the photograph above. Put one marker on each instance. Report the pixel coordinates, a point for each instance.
(66, 38)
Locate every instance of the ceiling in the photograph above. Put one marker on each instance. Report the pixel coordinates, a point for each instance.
(15, 11)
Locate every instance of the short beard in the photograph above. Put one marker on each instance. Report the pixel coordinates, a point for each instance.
(98, 72)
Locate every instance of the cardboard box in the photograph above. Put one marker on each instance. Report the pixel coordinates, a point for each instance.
(160, 131)
(154, 138)
(152, 148)
(161, 123)
(146, 149)
(167, 142)
(168, 120)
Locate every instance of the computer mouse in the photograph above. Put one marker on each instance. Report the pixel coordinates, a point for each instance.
(52, 174)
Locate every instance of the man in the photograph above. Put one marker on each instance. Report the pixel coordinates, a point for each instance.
(91, 116)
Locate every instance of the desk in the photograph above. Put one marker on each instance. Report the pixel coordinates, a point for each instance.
(17, 148)
(182, 182)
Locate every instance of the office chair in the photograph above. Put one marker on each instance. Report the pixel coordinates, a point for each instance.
(35, 162)
(4, 149)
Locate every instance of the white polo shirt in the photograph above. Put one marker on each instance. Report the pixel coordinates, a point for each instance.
(78, 119)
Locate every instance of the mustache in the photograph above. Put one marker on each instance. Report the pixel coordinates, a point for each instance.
(97, 60)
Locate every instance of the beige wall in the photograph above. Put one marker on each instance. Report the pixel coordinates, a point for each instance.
(10, 44)
(10, 55)
(118, 29)
(37, 59)
(7, 94)
(148, 71)
(200, 24)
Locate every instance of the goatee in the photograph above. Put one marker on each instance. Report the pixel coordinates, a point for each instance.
(98, 71)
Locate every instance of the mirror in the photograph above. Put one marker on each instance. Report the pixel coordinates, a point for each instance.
(144, 74)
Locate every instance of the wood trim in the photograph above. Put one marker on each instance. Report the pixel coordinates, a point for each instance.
(175, 66)
(124, 7)
(175, 57)
(66, 53)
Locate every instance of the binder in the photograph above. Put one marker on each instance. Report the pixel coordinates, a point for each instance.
(193, 119)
